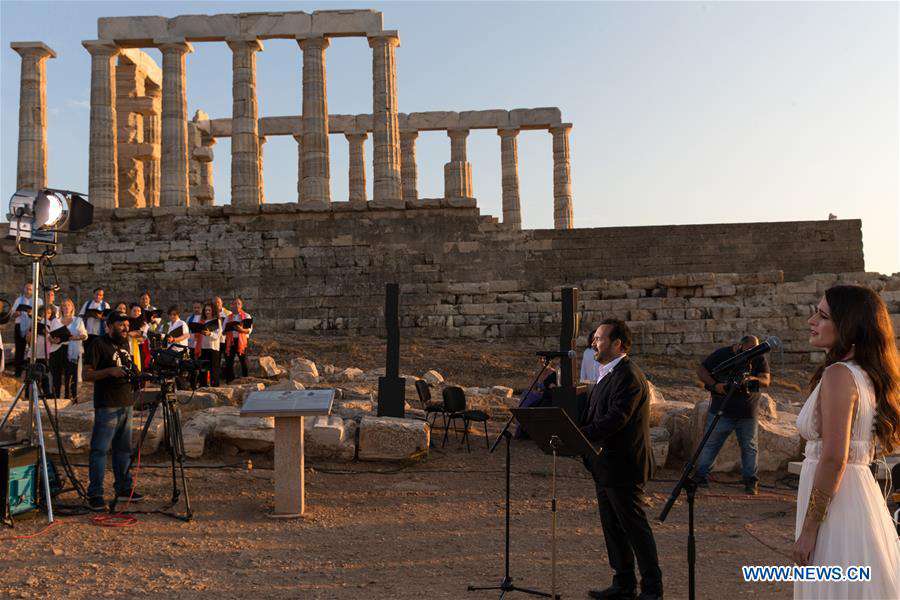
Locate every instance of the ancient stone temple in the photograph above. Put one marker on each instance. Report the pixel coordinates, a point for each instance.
(146, 151)
(315, 263)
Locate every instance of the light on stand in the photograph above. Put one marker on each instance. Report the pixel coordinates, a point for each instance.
(38, 216)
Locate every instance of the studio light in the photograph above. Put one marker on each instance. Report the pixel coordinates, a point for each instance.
(38, 216)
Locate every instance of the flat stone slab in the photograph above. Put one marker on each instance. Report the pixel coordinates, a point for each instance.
(392, 439)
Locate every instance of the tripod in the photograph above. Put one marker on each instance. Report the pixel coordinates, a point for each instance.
(174, 441)
(689, 485)
(30, 389)
(506, 584)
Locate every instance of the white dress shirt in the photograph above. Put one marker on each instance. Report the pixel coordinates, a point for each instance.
(606, 369)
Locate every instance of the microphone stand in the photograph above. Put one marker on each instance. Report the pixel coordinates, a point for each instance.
(506, 585)
(687, 483)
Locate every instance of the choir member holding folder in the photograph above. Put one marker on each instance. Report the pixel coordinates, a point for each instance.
(238, 326)
(177, 332)
(94, 313)
(74, 349)
(209, 343)
(49, 336)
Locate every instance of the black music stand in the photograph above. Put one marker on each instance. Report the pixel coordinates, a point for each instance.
(555, 433)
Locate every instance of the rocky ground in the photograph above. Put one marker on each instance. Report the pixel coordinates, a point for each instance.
(381, 524)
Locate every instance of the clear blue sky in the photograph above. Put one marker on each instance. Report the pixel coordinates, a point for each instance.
(683, 112)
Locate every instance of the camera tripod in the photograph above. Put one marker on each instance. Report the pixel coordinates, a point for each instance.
(30, 390)
(173, 438)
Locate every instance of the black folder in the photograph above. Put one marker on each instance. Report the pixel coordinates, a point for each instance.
(25, 308)
(232, 325)
(547, 422)
(177, 332)
(94, 313)
(199, 327)
(62, 334)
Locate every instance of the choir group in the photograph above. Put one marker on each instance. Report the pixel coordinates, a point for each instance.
(212, 334)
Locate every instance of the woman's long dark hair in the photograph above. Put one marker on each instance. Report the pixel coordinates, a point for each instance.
(864, 327)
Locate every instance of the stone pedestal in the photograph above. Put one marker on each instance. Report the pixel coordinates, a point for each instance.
(458, 172)
(31, 169)
(509, 165)
(174, 185)
(387, 187)
(103, 180)
(290, 496)
(562, 177)
(408, 166)
(357, 170)
(245, 150)
(315, 187)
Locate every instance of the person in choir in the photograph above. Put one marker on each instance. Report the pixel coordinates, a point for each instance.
(589, 365)
(96, 326)
(177, 332)
(74, 349)
(210, 342)
(149, 312)
(223, 314)
(59, 357)
(195, 339)
(236, 340)
(22, 308)
(51, 301)
(137, 335)
(121, 308)
(45, 346)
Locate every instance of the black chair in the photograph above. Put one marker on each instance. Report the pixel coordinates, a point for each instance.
(455, 408)
(432, 408)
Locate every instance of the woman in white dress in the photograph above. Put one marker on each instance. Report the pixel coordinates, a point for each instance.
(854, 409)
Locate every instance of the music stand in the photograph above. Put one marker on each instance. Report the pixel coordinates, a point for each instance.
(555, 433)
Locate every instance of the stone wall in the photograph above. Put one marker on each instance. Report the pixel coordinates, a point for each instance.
(686, 288)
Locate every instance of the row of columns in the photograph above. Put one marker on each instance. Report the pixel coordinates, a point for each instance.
(313, 187)
(394, 151)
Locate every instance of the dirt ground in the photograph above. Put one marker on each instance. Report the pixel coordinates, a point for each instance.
(376, 530)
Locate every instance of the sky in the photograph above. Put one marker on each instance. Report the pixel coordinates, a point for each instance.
(683, 112)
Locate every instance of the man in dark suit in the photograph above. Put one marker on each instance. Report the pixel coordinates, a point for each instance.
(618, 420)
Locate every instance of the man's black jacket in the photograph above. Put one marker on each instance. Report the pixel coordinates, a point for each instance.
(618, 419)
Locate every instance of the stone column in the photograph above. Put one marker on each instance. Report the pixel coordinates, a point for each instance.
(562, 177)
(408, 168)
(509, 167)
(152, 136)
(458, 172)
(298, 138)
(205, 194)
(245, 150)
(357, 169)
(259, 169)
(130, 148)
(174, 185)
(31, 169)
(103, 184)
(315, 187)
(387, 187)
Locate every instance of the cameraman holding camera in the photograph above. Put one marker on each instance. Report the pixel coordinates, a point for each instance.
(739, 415)
(113, 400)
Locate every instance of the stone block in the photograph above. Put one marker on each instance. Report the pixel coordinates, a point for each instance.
(433, 120)
(484, 119)
(329, 437)
(535, 118)
(392, 439)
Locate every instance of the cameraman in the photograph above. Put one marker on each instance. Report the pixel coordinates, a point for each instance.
(739, 415)
(113, 401)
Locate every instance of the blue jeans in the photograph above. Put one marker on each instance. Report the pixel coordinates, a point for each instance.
(746, 432)
(112, 430)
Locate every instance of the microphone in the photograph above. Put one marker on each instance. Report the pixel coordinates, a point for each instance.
(556, 354)
(746, 356)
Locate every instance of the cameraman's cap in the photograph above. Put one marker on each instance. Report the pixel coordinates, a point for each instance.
(115, 317)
